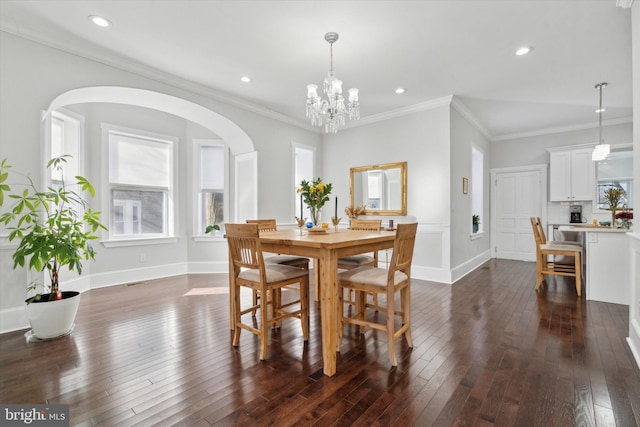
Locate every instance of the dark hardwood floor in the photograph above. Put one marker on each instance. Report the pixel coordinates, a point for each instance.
(488, 350)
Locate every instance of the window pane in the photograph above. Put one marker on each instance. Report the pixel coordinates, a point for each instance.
(136, 161)
(212, 167)
(604, 186)
(138, 212)
(213, 205)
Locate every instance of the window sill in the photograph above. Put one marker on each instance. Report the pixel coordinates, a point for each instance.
(219, 235)
(119, 243)
(475, 236)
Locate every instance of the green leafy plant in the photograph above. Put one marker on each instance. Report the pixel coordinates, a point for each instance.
(613, 196)
(54, 227)
(475, 219)
(210, 228)
(315, 194)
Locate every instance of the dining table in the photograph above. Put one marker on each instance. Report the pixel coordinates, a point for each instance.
(326, 248)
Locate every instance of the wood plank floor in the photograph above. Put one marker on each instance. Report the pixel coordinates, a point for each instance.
(488, 350)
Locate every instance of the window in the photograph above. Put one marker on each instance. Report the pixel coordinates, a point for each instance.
(477, 188)
(212, 168)
(615, 171)
(140, 184)
(304, 169)
(66, 133)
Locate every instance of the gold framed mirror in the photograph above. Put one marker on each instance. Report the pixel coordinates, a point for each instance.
(382, 188)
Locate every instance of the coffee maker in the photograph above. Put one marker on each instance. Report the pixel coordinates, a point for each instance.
(576, 214)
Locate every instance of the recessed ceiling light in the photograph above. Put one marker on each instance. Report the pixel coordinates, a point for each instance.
(401, 90)
(601, 110)
(100, 21)
(523, 50)
(246, 79)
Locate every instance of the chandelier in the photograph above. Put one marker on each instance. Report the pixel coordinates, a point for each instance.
(601, 151)
(331, 111)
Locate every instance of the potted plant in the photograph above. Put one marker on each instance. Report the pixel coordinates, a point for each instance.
(613, 196)
(53, 228)
(314, 194)
(475, 220)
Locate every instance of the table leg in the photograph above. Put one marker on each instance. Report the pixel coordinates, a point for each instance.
(329, 300)
(316, 279)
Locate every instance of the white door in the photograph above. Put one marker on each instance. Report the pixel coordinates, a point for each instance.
(517, 197)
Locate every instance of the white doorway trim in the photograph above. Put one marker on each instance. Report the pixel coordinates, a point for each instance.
(542, 169)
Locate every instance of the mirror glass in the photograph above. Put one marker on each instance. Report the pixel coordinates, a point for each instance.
(382, 188)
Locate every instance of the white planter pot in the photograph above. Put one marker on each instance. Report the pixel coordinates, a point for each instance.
(52, 319)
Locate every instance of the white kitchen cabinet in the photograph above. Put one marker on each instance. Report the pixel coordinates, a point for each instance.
(571, 175)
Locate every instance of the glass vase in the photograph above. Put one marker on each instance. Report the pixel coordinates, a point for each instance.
(315, 215)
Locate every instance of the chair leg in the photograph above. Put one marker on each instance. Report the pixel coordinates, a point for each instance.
(264, 327)
(405, 306)
(340, 317)
(361, 308)
(390, 330)
(304, 307)
(539, 274)
(578, 267)
(236, 331)
(255, 302)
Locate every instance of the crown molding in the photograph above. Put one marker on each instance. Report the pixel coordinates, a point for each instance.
(464, 111)
(625, 4)
(133, 67)
(423, 106)
(560, 129)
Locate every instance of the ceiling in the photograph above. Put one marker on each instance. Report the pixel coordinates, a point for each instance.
(432, 48)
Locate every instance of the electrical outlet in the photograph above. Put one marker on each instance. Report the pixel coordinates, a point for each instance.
(143, 257)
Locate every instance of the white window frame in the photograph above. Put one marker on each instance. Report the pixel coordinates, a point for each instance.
(595, 209)
(477, 188)
(169, 236)
(73, 144)
(297, 178)
(198, 210)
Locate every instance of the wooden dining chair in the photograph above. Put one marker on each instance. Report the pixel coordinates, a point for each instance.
(556, 257)
(387, 282)
(355, 261)
(250, 271)
(292, 260)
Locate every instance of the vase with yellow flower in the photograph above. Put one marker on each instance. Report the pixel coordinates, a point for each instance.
(613, 196)
(314, 194)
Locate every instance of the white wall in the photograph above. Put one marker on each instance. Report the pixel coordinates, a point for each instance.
(533, 150)
(33, 75)
(430, 142)
(464, 249)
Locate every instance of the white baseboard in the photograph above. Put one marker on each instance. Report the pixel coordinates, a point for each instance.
(13, 319)
(634, 340)
(467, 267)
(102, 280)
(431, 274)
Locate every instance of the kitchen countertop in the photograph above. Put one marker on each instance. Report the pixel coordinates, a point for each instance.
(591, 228)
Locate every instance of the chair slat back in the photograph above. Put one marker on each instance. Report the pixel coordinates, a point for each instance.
(535, 225)
(264, 224)
(403, 249)
(543, 236)
(244, 245)
(366, 224)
